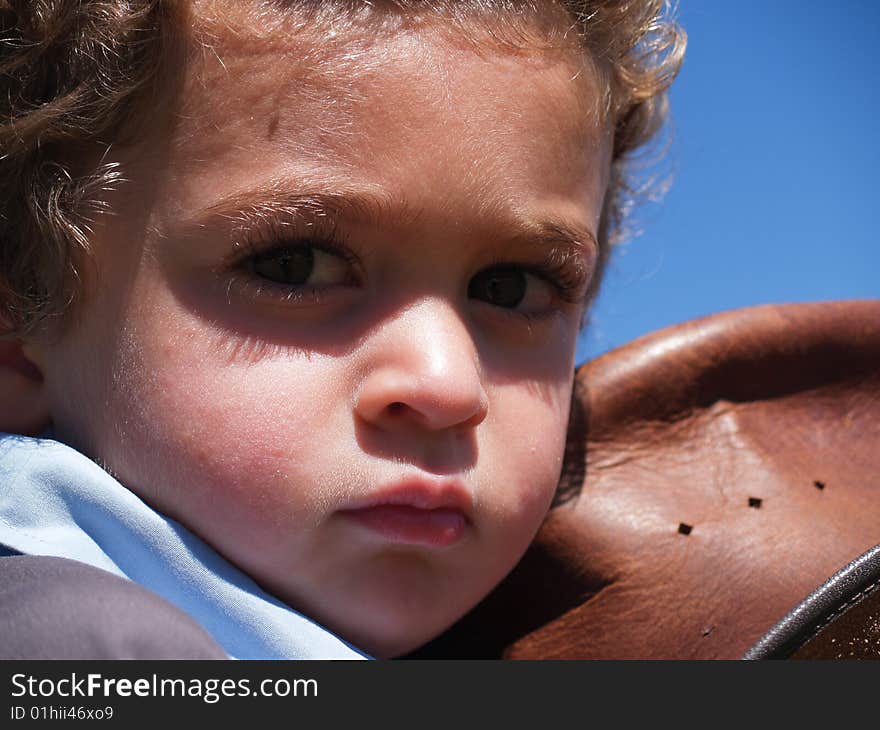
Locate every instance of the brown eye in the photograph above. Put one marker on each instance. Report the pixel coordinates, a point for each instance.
(501, 286)
(301, 265)
(289, 266)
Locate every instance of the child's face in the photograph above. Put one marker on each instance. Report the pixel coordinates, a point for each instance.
(361, 400)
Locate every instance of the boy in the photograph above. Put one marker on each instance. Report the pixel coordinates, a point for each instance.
(306, 278)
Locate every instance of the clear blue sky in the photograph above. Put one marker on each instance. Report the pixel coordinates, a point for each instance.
(775, 153)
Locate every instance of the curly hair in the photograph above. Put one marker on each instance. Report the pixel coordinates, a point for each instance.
(75, 75)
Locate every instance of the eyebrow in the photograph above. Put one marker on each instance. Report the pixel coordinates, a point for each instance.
(367, 206)
(277, 201)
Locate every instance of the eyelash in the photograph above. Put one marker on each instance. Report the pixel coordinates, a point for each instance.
(274, 236)
(561, 269)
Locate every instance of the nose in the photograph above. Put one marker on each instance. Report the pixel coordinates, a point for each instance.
(423, 371)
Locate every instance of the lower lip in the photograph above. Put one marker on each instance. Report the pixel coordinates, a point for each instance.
(411, 525)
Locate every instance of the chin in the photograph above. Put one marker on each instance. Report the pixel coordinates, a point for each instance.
(389, 629)
(390, 633)
(392, 646)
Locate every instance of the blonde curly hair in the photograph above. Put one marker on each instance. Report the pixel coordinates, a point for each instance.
(76, 74)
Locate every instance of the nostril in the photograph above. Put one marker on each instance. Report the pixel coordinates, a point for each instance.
(396, 408)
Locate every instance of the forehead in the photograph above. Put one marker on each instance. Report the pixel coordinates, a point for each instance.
(277, 96)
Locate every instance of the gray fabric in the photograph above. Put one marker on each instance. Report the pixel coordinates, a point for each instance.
(55, 608)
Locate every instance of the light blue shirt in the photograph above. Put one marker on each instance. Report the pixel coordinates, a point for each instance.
(56, 501)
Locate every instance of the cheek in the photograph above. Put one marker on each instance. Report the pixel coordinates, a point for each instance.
(527, 446)
(214, 436)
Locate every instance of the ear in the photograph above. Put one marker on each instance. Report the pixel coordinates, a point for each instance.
(24, 407)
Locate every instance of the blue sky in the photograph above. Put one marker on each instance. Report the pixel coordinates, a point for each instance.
(775, 151)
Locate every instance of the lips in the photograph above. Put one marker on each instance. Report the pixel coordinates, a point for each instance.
(415, 512)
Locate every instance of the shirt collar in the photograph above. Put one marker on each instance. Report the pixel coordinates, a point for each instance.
(56, 501)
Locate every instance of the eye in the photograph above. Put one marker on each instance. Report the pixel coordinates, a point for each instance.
(301, 265)
(512, 287)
